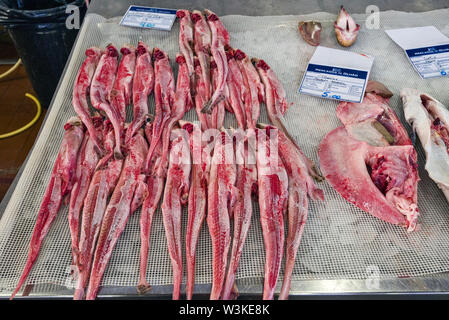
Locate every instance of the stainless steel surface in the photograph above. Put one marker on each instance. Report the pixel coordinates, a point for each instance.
(428, 285)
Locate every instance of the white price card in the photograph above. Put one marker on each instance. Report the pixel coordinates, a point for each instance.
(426, 48)
(337, 74)
(151, 18)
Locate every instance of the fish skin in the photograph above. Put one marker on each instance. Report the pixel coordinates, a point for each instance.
(221, 198)
(81, 87)
(60, 185)
(175, 196)
(117, 212)
(273, 196)
(143, 85)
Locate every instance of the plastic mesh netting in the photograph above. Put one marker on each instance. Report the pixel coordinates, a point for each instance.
(340, 241)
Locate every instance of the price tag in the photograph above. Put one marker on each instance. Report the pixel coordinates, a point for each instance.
(426, 48)
(150, 18)
(337, 74)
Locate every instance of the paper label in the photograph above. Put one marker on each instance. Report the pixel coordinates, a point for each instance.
(337, 74)
(150, 18)
(427, 49)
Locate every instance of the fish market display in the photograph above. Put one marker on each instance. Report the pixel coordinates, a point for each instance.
(371, 162)
(429, 119)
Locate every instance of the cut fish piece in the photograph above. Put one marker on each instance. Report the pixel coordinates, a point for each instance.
(373, 121)
(346, 29)
(430, 119)
(310, 31)
(379, 180)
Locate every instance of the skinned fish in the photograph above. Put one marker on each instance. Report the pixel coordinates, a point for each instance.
(60, 185)
(176, 194)
(221, 198)
(273, 198)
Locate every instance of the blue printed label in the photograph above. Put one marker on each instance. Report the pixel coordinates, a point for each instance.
(334, 83)
(151, 18)
(431, 61)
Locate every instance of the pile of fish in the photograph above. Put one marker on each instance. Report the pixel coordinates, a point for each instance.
(109, 168)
